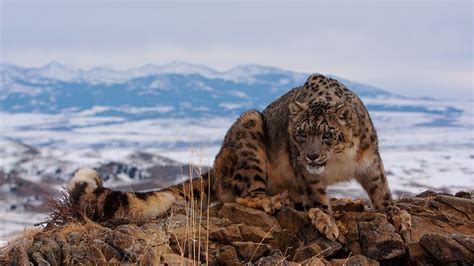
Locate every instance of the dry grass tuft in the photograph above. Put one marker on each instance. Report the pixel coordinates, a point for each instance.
(196, 211)
(62, 211)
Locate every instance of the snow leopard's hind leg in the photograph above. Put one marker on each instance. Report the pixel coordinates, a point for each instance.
(241, 167)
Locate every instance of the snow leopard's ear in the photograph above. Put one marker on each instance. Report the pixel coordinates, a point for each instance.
(344, 115)
(297, 107)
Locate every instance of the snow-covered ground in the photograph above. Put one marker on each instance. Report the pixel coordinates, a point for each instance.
(418, 154)
(17, 222)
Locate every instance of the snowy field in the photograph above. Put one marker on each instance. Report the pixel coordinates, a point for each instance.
(416, 154)
(13, 223)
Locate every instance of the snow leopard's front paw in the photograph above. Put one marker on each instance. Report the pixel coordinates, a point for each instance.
(324, 223)
(269, 204)
(401, 220)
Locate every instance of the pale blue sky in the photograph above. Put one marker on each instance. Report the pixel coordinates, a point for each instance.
(413, 48)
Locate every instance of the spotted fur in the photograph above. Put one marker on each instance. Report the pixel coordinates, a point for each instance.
(101, 204)
(311, 137)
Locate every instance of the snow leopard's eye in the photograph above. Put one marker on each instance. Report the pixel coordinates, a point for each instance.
(301, 133)
(327, 135)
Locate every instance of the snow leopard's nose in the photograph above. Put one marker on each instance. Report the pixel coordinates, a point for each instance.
(312, 156)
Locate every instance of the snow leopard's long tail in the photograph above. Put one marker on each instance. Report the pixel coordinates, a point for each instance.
(86, 191)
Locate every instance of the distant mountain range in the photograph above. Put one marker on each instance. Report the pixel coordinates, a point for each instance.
(178, 89)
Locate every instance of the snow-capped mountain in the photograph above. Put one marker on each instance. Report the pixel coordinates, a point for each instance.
(174, 90)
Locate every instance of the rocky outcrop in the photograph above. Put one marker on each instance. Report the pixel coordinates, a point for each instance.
(229, 234)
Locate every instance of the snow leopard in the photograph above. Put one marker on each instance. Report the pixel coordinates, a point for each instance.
(315, 135)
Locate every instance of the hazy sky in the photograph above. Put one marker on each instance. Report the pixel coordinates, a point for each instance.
(413, 48)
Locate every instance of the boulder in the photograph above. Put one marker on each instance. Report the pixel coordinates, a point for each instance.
(237, 214)
(173, 259)
(379, 240)
(285, 241)
(228, 256)
(308, 251)
(354, 261)
(292, 220)
(250, 251)
(18, 256)
(275, 258)
(445, 249)
(227, 234)
(254, 234)
(417, 255)
(320, 248)
(107, 251)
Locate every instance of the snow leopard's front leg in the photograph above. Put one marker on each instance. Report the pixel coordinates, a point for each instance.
(321, 213)
(375, 184)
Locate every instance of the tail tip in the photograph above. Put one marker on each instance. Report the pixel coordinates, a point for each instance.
(85, 175)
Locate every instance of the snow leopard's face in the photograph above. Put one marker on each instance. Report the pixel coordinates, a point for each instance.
(319, 131)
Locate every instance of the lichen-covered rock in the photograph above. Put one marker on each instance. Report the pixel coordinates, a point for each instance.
(321, 248)
(132, 248)
(298, 224)
(228, 256)
(173, 259)
(316, 261)
(417, 255)
(443, 214)
(466, 240)
(442, 233)
(458, 207)
(275, 258)
(356, 260)
(371, 235)
(38, 259)
(445, 249)
(250, 251)
(308, 251)
(329, 247)
(227, 234)
(107, 250)
(48, 247)
(239, 214)
(18, 256)
(379, 240)
(285, 241)
(254, 233)
(292, 220)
